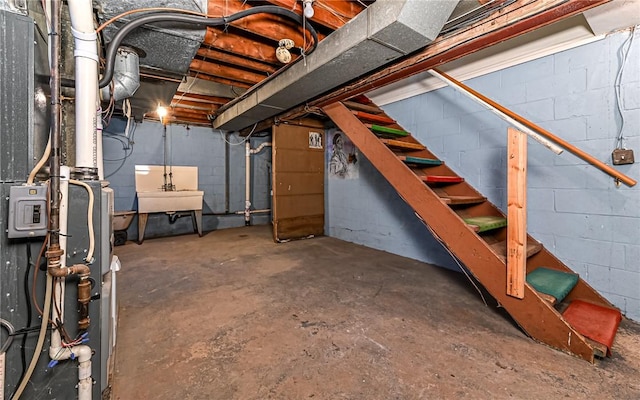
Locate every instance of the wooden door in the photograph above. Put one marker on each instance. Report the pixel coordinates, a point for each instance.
(298, 180)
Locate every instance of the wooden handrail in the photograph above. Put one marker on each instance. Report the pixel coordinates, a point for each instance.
(543, 132)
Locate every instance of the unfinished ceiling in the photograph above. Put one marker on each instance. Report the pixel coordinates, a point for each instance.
(221, 75)
(197, 71)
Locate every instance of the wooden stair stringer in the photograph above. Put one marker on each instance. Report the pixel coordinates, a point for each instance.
(533, 314)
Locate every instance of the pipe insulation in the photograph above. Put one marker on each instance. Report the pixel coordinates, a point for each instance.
(86, 76)
(126, 76)
(194, 20)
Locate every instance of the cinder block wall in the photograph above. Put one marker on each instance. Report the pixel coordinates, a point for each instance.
(195, 146)
(575, 210)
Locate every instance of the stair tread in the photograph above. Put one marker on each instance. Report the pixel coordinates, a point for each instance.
(533, 248)
(460, 200)
(399, 144)
(594, 321)
(552, 282)
(365, 116)
(486, 223)
(362, 107)
(385, 130)
(419, 160)
(442, 179)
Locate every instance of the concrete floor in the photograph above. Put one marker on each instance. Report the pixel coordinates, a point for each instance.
(233, 315)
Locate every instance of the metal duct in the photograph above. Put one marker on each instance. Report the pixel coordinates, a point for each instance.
(167, 49)
(126, 75)
(385, 31)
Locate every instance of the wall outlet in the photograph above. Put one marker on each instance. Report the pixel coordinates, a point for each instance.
(622, 156)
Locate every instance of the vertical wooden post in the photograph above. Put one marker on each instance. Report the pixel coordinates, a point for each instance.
(516, 212)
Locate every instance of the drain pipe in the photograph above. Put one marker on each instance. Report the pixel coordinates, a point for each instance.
(247, 183)
(247, 189)
(86, 75)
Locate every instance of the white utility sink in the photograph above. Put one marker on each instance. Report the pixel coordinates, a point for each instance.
(152, 199)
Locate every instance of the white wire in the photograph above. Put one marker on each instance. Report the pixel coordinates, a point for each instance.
(89, 258)
(464, 271)
(618, 82)
(243, 141)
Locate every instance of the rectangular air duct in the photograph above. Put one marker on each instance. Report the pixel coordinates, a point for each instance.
(385, 31)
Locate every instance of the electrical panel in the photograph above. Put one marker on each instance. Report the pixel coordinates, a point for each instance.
(27, 211)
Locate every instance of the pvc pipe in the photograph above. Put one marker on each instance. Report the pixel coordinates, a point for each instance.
(86, 75)
(100, 159)
(535, 136)
(247, 183)
(266, 210)
(259, 148)
(56, 351)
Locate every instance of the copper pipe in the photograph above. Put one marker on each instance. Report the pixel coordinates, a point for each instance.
(56, 126)
(563, 143)
(84, 297)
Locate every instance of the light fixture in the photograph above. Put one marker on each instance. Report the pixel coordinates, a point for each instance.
(282, 52)
(162, 112)
(308, 8)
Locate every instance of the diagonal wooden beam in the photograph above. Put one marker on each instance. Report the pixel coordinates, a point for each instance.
(222, 71)
(325, 12)
(234, 43)
(218, 56)
(224, 81)
(265, 25)
(203, 98)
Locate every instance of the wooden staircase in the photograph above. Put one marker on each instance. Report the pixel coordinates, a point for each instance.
(557, 309)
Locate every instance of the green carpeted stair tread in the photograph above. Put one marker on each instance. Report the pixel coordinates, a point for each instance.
(552, 282)
(386, 131)
(486, 223)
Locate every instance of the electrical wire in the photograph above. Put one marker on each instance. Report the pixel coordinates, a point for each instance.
(139, 10)
(43, 160)
(43, 333)
(243, 141)
(199, 20)
(89, 258)
(11, 330)
(624, 52)
(23, 344)
(462, 268)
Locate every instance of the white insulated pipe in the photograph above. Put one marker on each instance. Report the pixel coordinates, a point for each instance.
(534, 135)
(247, 183)
(247, 190)
(86, 76)
(99, 127)
(82, 353)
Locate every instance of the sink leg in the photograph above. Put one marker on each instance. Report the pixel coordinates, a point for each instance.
(196, 217)
(142, 224)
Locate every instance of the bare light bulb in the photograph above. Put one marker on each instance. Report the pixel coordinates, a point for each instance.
(162, 112)
(308, 8)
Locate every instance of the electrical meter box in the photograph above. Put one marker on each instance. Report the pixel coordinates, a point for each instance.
(27, 211)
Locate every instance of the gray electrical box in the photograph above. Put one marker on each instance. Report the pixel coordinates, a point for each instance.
(27, 211)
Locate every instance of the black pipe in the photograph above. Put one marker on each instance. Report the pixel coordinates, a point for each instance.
(56, 127)
(162, 16)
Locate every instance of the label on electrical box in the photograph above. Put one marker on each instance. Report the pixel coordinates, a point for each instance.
(27, 211)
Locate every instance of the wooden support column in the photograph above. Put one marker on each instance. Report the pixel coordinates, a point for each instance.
(516, 212)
